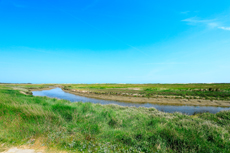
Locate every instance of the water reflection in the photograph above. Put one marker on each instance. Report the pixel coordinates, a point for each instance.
(60, 94)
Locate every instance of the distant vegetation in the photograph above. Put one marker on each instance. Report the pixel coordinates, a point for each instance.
(78, 127)
(188, 91)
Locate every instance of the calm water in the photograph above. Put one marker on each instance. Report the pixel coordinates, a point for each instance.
(60, 94)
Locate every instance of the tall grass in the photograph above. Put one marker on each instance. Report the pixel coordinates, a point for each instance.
(91, 127)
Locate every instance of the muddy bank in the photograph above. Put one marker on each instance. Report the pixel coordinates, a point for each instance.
(40, 89)
(163, 101)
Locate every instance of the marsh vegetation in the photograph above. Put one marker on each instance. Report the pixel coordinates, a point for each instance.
(185, 109)
(173, 91)
(77, 127)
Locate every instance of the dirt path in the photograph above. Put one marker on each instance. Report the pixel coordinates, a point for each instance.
(16, 150)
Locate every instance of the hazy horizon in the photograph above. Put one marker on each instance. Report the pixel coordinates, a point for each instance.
(118, 83)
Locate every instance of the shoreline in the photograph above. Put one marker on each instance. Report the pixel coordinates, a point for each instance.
(159, 101)
(40, 89)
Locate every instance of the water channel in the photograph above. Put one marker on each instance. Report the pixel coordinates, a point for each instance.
(60, 94)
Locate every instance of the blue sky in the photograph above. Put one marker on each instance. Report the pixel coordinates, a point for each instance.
(100, 41)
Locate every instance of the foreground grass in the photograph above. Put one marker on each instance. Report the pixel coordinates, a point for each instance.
(90, 127)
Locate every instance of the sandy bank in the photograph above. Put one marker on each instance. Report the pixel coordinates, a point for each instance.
(41, 89)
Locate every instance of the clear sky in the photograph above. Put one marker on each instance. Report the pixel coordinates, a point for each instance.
(121, 41)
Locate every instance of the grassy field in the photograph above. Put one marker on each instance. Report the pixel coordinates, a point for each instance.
(77, 127)
(176, 91)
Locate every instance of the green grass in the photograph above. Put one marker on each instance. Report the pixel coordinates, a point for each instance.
(220, 95)
(189, 91)
(154, 86)
(107, 128)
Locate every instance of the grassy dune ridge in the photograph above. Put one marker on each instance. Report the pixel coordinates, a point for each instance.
(87, 127)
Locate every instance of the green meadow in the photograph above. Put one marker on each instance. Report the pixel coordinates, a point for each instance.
(78, 127)
(178, 91)
(187, 91)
